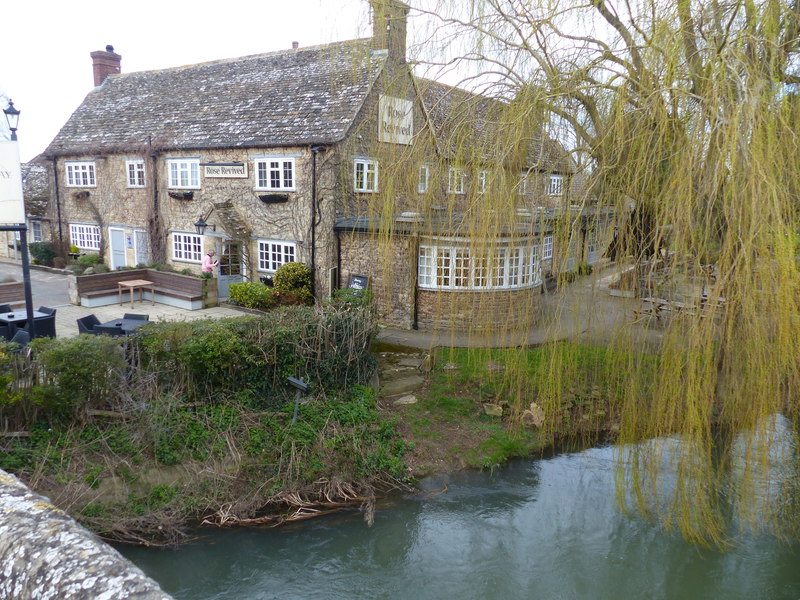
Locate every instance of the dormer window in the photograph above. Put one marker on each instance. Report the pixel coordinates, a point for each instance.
(80, 174)
(184, 173)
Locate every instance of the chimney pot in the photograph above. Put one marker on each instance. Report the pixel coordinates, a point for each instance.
(295, 45)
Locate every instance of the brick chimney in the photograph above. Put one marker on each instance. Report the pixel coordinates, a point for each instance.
(389, 27)
(104, 63)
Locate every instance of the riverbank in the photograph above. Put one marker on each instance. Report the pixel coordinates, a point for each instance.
(160, 461)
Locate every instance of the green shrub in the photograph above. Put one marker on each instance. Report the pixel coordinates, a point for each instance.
(90, 260)
(294, 279)
(209, 359)
(251, 295)
(77, 373)
(101, 268)
(42, 252)
(349, 297)
(73, 249)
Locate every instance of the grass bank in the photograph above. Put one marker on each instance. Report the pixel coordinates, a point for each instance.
(576, 387)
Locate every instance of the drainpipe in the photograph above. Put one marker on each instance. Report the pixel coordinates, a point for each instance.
(314, 211)
(415, 324)
(58, 203)
(156, 217)
(338, 259)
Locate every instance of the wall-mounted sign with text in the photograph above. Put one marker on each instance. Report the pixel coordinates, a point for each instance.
(395, 120)
(12, 207)
(221, 170)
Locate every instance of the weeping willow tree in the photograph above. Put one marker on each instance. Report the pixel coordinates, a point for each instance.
(682, 120)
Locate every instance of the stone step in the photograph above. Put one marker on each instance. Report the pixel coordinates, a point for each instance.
(392, 373)
(402, 385)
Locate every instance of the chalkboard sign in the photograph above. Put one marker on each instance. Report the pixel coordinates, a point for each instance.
(358, 282)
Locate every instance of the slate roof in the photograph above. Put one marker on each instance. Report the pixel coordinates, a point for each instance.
(292, 97)
(474, 127)
(35, 188)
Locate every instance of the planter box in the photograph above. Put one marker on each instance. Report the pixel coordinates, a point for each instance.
(173, 289)
(12, 293)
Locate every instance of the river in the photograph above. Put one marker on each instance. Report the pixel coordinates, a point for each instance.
(536, 529)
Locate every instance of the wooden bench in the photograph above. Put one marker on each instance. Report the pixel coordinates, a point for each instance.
(11, 292)
(173, 289)
(658, 307)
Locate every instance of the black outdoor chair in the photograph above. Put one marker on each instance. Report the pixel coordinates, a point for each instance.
(45, 326)
(5, 332)
(21, 337)
(136, 317)
(46, 310)
(4, 308)
(87, 324)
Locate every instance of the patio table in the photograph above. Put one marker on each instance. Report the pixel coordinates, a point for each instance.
(117, 327)
(18, 317)
(136, 284)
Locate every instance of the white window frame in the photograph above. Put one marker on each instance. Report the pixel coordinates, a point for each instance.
(458, 267)
(135, 174)
(81, 174)
(423, 183)
(555, 185)
(362, 169)
(456, 179)
(272, 254)
(183, 173)
(483, 178)
(85, 237)
(547, 247)
(522, 186)
(187, 247)
(271, 174)
(36, 231)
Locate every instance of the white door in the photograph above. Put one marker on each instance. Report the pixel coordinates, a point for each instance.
(142, 243)
(118, 258)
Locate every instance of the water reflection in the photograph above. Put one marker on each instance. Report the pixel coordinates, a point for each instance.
(536, 529)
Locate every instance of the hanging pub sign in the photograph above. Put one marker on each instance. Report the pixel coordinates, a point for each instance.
(225, 170)
(12, 206)
(395, 120)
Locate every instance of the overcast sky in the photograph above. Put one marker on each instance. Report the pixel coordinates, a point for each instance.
(46, 70)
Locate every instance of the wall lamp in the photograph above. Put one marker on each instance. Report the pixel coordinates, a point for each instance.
(201, 225)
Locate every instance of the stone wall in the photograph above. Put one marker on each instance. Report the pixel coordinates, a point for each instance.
(247, 219)
(46, 555)
(496, 310)
(389, 263)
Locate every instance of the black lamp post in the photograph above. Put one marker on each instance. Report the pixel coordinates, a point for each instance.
(12, 118)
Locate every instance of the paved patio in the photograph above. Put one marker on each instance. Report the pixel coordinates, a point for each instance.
(68, 314)
(50, 289)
